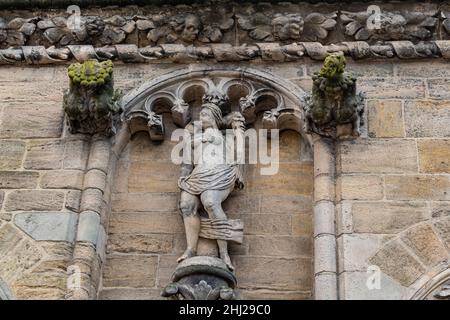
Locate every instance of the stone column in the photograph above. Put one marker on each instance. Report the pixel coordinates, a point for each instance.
(325, 267)
(91, 235)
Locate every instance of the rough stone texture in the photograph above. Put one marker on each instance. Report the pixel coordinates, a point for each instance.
(434, 155)
(385, 118)
(359, 187)
(427, 118)
(35, 120)
(387, 217)
(49, 226)
(44, 154)
(11, 154)
(18, 179)
(118, 272)
(390, 179)
(418, 187)
(395, 261)
(62, 179)
(354, 287)
(425, 244)
(39, 200)
(376, 156)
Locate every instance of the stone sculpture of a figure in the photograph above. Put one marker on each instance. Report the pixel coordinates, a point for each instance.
(209, 180)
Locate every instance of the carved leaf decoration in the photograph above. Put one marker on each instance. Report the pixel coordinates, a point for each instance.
(352, 28)
(259, 34)
(155, 34)
(317, 26)
(362, 34)
(258, 25)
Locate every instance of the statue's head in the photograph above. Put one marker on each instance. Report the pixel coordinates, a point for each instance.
(333, 66)
(210, 116)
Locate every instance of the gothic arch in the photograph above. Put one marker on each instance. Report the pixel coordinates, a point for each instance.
(253, 90)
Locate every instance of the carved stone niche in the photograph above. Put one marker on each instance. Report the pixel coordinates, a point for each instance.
(232, 94)
(204, 272)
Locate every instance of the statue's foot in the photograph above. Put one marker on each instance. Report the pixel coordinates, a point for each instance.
(189, 253)
(228, 263)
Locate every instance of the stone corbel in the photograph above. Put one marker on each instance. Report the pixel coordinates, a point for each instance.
(334, 108)
(91, 103)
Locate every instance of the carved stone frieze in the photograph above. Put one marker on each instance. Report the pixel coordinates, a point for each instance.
(91, 102)
(224, 52)
(389, 25)
(224, 22)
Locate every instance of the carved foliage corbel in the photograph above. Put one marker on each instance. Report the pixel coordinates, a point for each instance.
(334, 108)
(91, 103)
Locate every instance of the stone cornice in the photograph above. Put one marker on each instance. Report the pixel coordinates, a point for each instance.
(175, 53)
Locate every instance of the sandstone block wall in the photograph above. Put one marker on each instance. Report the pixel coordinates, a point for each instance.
(392, 192)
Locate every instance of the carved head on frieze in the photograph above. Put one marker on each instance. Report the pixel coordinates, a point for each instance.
(287, 26)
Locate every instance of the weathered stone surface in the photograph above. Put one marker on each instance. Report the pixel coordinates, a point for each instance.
(99, 155)
(88, 227)
(31, 120)
(293, 179)
(434, 155)
(443, 228)
(439, 88)
(140, 243)
(22, 258)
(440, 209)
(354, 251)
(392, 88)
(424, 187)
(265, 294)
(118, 273)
(279, 246)
(425, 244)
(62, 179)
(385, 119)
(359, 187)
(54, 226)
(154, 222)
(302, 225)
(11, 154)
(265, 224)
(44, 154)
(430, 69)
(259, 272)
(150, 176)
(31, 293)
(286, 204)
(95, 179)
(76, 154)
(141, 202)
(325, 254)
(92, 200)
(387, 217)
(9, 238)
(39, 200)
(2, 197)
(73, 199)
(376, 156)
(354, 286)
(130, 294)
(394, 260)
(361, 69)
(240, 203)
(427, 118)
(18, 179)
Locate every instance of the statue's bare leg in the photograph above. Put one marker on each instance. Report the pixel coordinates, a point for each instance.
(212, 202)
(189, 206)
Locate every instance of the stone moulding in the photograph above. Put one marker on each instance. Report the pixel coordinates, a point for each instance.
(271, 52)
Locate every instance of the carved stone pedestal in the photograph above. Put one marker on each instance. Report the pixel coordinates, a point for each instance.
(201, 278)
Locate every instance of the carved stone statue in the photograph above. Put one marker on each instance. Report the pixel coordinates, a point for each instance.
(334, 101)
(91, 101)
(209, 182)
